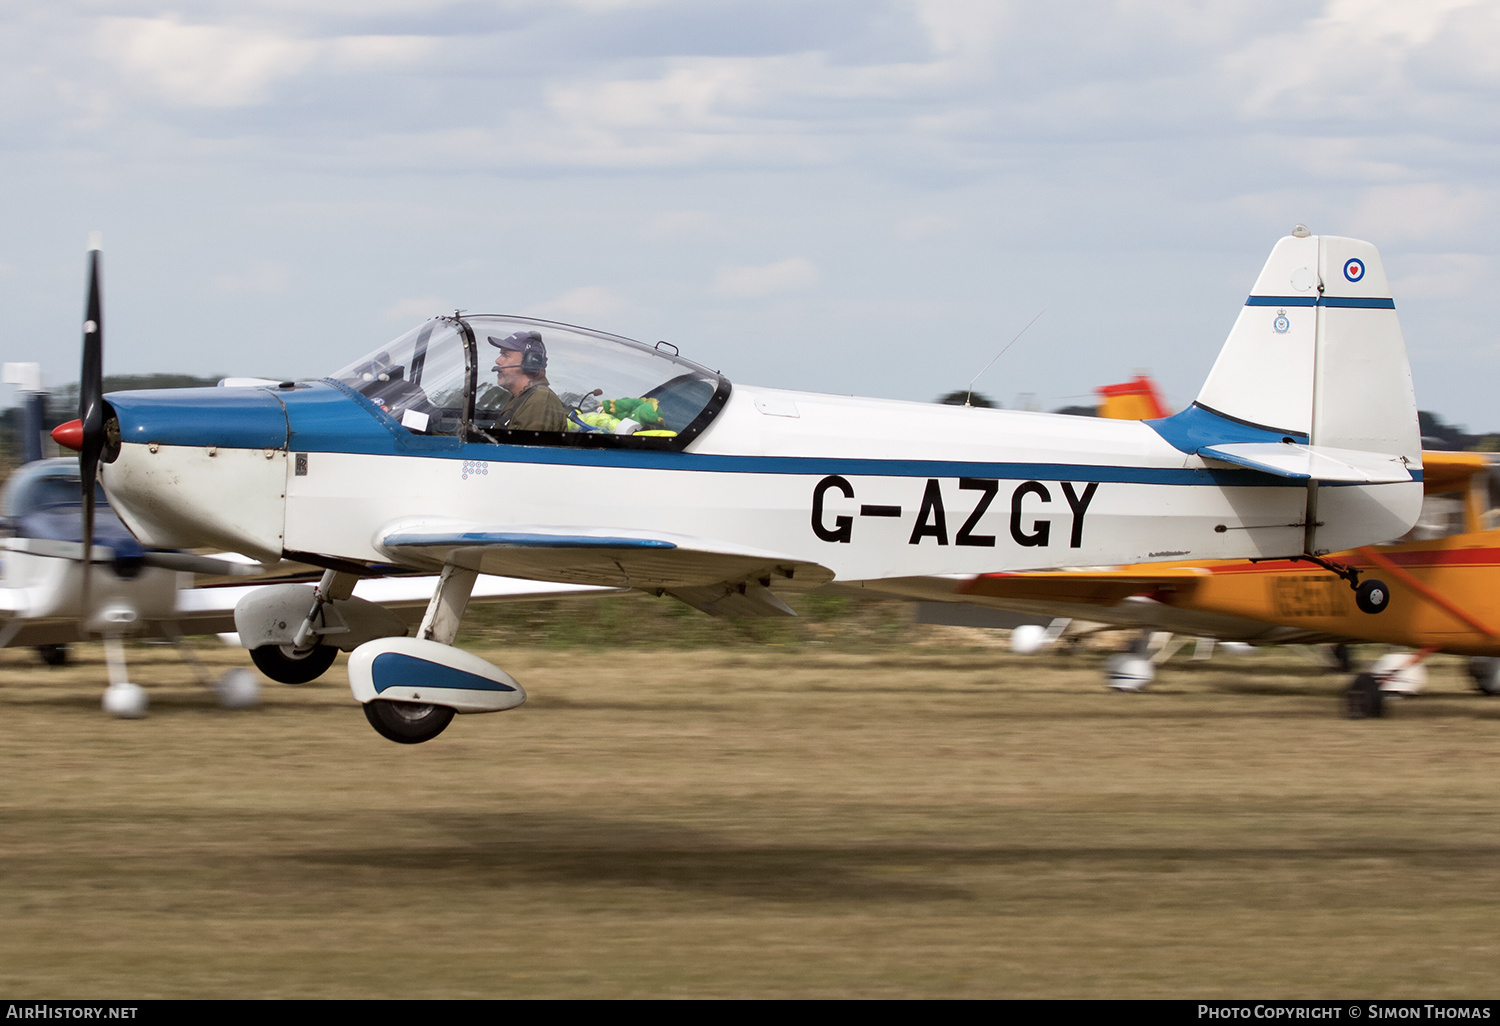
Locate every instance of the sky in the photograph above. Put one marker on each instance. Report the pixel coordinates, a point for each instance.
(867, 197)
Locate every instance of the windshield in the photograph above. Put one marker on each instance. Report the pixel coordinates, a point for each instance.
(419, 379)
(518, 379)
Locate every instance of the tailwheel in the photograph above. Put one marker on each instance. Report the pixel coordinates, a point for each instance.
(1372, 596)
(1364, 699)
(407, 723)
(283, 664)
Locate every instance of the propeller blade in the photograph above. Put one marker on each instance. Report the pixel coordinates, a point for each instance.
(91, 409)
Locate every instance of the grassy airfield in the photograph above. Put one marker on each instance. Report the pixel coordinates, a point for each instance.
(897, 811)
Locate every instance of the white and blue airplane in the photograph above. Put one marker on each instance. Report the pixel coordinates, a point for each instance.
(1303, 441)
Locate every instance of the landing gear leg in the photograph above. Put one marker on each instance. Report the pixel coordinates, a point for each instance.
(446, 609)
(122, 698)
(237, 689)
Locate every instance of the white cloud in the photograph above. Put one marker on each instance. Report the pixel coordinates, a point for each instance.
(261, 277)
(682, 225)
(415, 309)
(1356, 52)
(923, 226)
(233, 66)
(202, 65)
(1441, 275)
(1393, 213)
(962, 26)
(591, 304)
(788, 275)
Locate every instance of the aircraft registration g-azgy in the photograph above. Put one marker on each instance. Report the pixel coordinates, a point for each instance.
(1303, 440)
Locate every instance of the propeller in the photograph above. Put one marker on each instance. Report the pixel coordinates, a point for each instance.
(91, 409)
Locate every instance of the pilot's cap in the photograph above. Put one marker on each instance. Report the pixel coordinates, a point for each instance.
(529, 344)
(520, 342)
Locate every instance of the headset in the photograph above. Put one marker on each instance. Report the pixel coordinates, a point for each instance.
(533, 357)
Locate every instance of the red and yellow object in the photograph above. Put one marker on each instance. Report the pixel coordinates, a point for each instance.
(1136, 399)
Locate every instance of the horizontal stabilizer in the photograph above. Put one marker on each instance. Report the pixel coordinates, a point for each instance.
(613, 558)
(1312, 462)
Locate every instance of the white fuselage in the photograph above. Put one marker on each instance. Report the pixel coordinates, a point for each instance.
(872, 489)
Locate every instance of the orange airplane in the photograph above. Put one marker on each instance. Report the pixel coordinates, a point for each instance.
(1443, 581)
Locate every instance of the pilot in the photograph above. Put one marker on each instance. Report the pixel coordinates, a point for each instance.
(522, 370)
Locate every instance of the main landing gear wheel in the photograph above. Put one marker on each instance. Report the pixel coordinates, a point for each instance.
(283, 665)
(407, 723)
(1486, 673)
(1372, 596)
(53, 655)
(1364, 699)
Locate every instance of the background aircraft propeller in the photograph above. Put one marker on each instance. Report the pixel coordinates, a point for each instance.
(91, 409)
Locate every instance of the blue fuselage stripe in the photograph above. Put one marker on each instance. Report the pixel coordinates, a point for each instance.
(821, 466)
(1341, 302)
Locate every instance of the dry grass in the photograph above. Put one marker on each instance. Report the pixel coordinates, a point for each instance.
(920, 821)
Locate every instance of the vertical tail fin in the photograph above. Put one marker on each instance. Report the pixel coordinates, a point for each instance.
(1317, 352)
(1313, 383)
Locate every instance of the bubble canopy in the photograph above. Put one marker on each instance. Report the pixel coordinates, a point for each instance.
(439, 379)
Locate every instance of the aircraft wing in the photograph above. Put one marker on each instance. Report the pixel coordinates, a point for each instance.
(211, 610)
(647, 560)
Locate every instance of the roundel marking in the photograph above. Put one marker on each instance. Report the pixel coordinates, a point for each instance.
(1354, 268)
